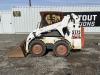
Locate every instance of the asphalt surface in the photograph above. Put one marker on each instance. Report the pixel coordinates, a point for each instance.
(84, 62)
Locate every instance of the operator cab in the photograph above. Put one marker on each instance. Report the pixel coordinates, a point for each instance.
(48, 18)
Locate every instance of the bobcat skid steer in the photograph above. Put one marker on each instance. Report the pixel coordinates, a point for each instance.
(59, 33)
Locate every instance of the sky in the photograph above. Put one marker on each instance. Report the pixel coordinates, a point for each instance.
(7, 4)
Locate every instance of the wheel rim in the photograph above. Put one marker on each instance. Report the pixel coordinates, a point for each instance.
(61, 49)
(37, 49)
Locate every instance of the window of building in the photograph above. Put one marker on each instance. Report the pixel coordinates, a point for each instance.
(16, 13)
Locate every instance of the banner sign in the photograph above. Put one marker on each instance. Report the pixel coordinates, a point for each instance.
(87, 19)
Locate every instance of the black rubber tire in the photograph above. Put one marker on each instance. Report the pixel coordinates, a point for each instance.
(65, 44)
(34, 42)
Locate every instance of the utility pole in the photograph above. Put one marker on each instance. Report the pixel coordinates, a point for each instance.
(30, 3)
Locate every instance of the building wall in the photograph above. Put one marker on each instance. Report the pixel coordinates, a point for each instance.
(30, 16)
(5, 22)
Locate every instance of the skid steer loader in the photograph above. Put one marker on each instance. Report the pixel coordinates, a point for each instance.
(57, 32)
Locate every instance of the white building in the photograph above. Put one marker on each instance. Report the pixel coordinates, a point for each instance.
(25, 19)
(5, 22)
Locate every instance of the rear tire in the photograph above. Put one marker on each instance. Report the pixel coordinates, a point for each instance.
(61, 48)
(37, 48)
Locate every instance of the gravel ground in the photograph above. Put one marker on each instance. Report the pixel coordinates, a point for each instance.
(84, 62)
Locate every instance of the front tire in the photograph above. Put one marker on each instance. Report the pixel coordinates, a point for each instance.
(61, 48)
(37, 48)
